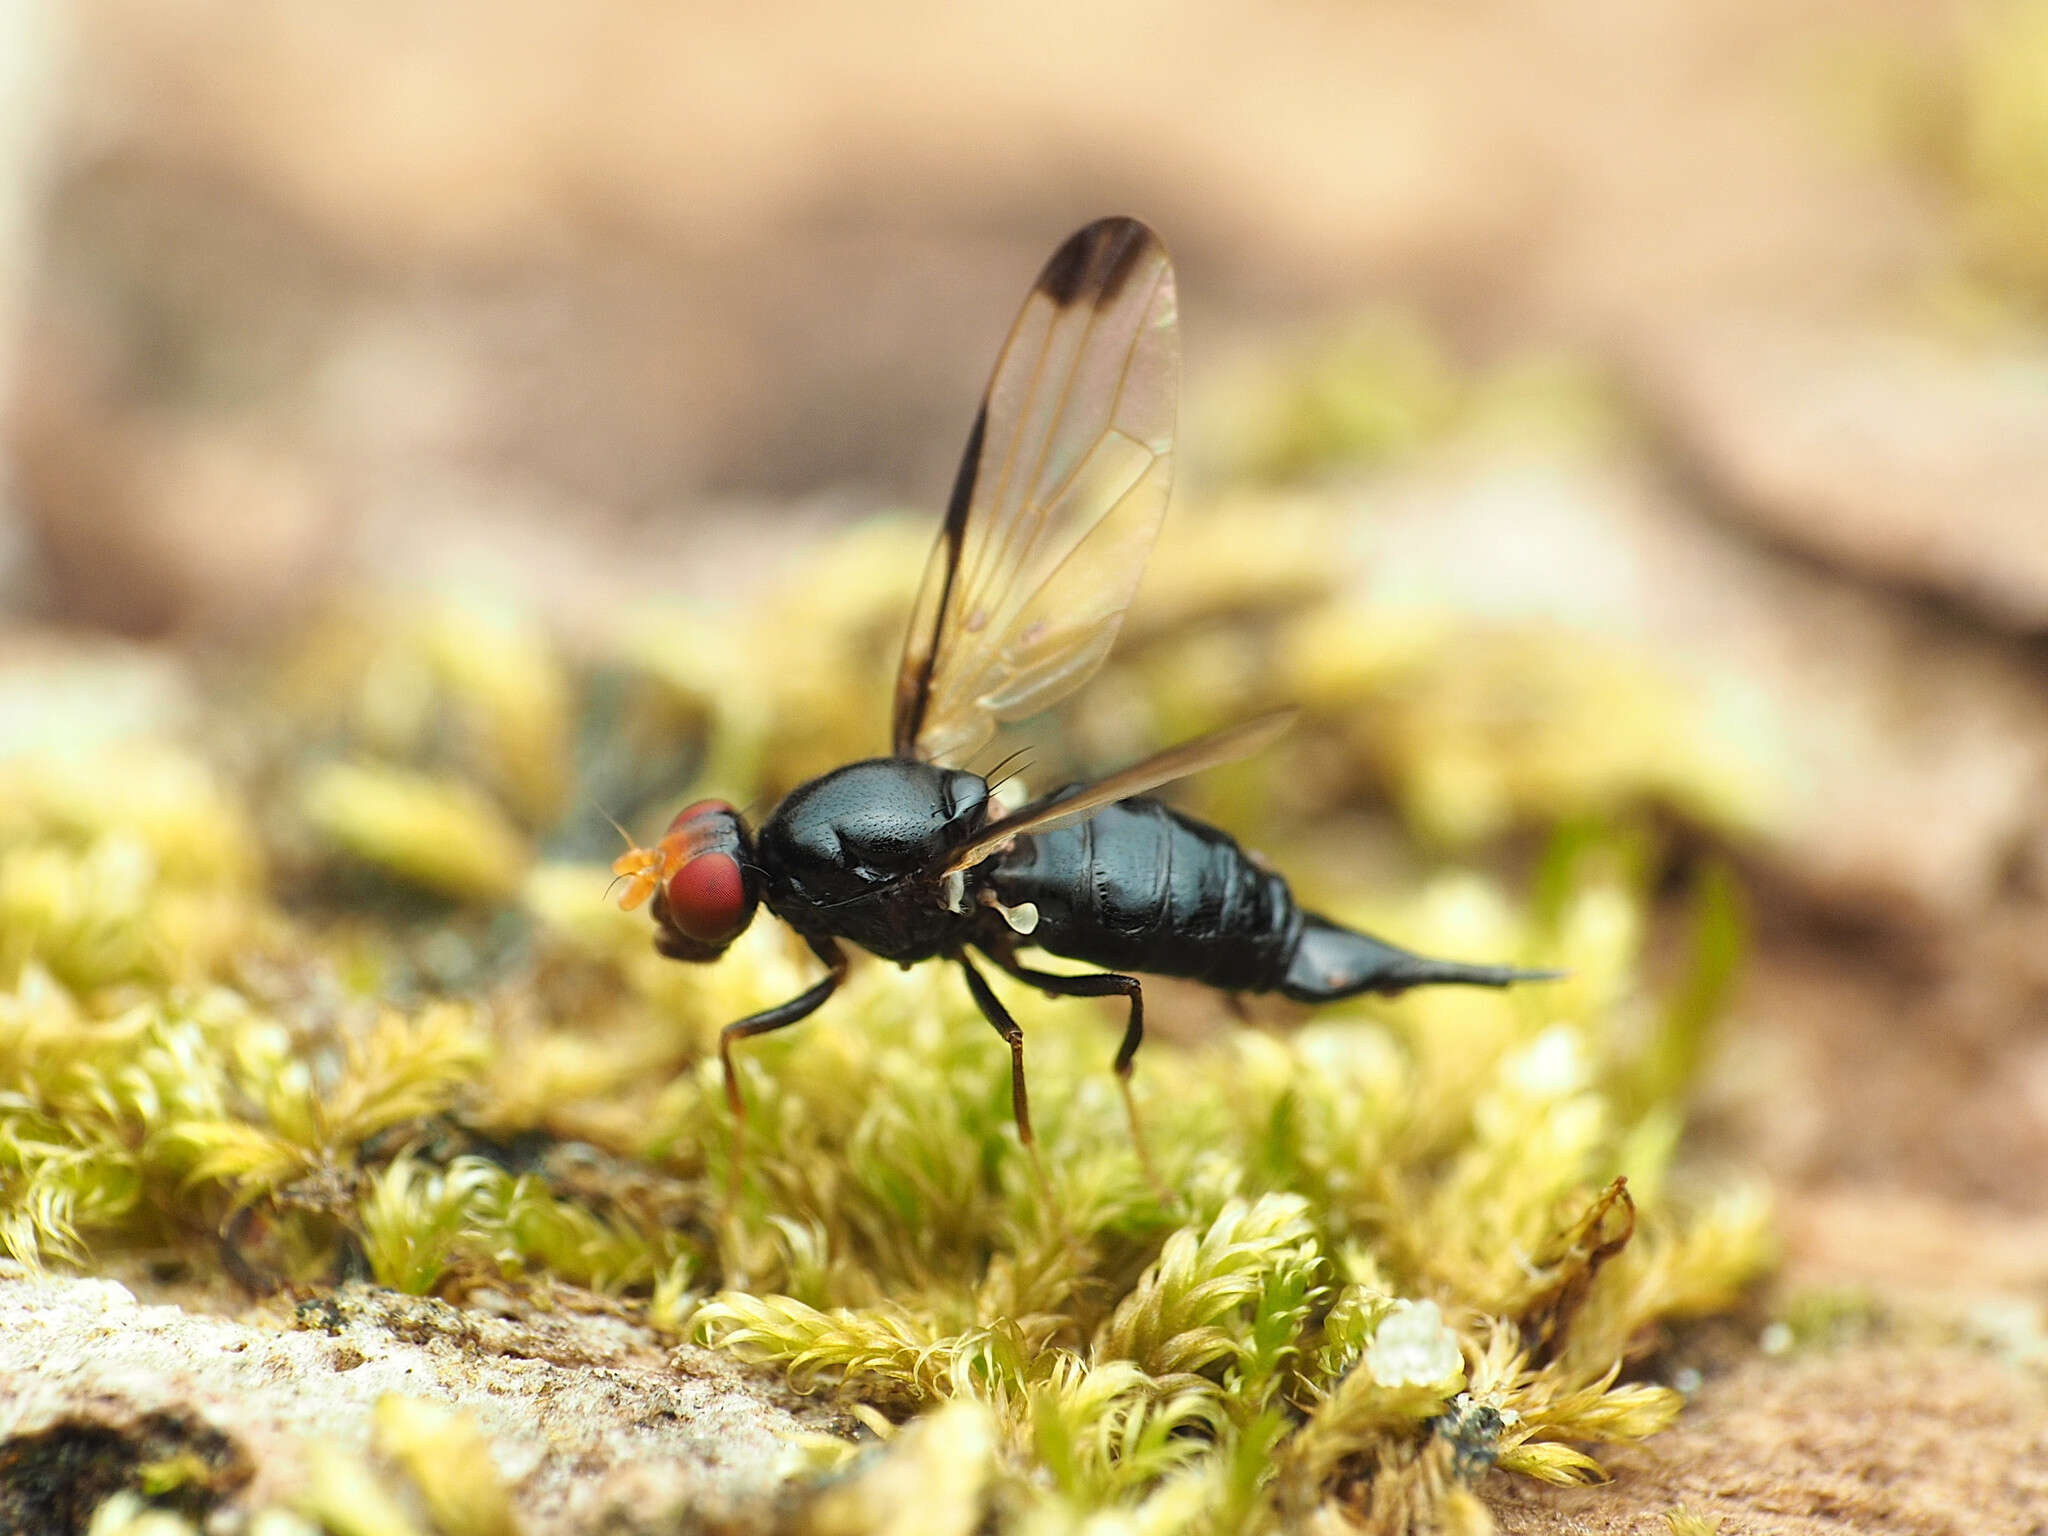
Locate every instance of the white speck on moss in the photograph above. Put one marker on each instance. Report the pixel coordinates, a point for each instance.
(1552, 1066)
(1412, 1347)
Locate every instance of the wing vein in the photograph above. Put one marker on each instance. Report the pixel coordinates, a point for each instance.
(987, 553)
(1031, 519)
(1123, 379)
(1042, 552)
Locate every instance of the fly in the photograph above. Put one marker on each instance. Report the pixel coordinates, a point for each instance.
(1055, 508)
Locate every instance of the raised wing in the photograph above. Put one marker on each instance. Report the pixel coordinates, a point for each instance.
(1174, 763)
(1058, 499)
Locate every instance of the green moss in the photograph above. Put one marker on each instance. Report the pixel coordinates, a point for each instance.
(443, 835)
(447, 1458)
(1830, 1318)
(128, 1514)
(1383, 1270)
(1369, 390)
(1361, 1197)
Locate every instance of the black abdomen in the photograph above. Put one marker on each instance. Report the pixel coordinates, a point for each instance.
(1136, 886)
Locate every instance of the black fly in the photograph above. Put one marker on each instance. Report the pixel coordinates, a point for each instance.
(1055, 509)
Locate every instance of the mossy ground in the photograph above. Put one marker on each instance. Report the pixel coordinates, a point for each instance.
(340, 994)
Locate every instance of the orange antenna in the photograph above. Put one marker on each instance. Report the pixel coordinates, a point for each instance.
(607, 815)
(641, 868)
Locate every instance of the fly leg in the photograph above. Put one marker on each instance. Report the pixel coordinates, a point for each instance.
(1105, 984)
(993, 1010)
(765, 1022)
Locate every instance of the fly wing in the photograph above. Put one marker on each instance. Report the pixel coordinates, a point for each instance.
(1058, 499)
(1174, 763)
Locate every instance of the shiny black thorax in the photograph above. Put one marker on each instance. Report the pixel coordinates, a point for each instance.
(859, 854)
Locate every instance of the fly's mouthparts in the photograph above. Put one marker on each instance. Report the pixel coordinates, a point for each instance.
(953, 891)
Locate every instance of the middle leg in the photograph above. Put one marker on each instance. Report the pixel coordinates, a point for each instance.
(999, 1018)
(1104, 984)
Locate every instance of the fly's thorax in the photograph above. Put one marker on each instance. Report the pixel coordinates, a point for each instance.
(874, 831)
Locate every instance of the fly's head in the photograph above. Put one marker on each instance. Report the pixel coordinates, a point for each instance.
(703, 879)
(878, 831)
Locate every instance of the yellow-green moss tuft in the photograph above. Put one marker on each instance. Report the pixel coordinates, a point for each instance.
(443, 835)
(1385, 1266)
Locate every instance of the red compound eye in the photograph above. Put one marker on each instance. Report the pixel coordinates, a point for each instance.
(716, 816)
(707, 895)
(707, 898)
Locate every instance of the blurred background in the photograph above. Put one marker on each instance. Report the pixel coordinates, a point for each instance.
(1604, 413)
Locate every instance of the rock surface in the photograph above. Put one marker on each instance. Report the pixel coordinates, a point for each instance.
(592, 1421)
(1913, 461)
(1902, 754)
(1913, 1441)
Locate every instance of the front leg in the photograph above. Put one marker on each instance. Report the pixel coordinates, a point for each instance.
(765, 1022)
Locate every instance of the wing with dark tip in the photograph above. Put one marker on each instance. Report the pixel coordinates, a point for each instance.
(1058, 499)
(1174, 763)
